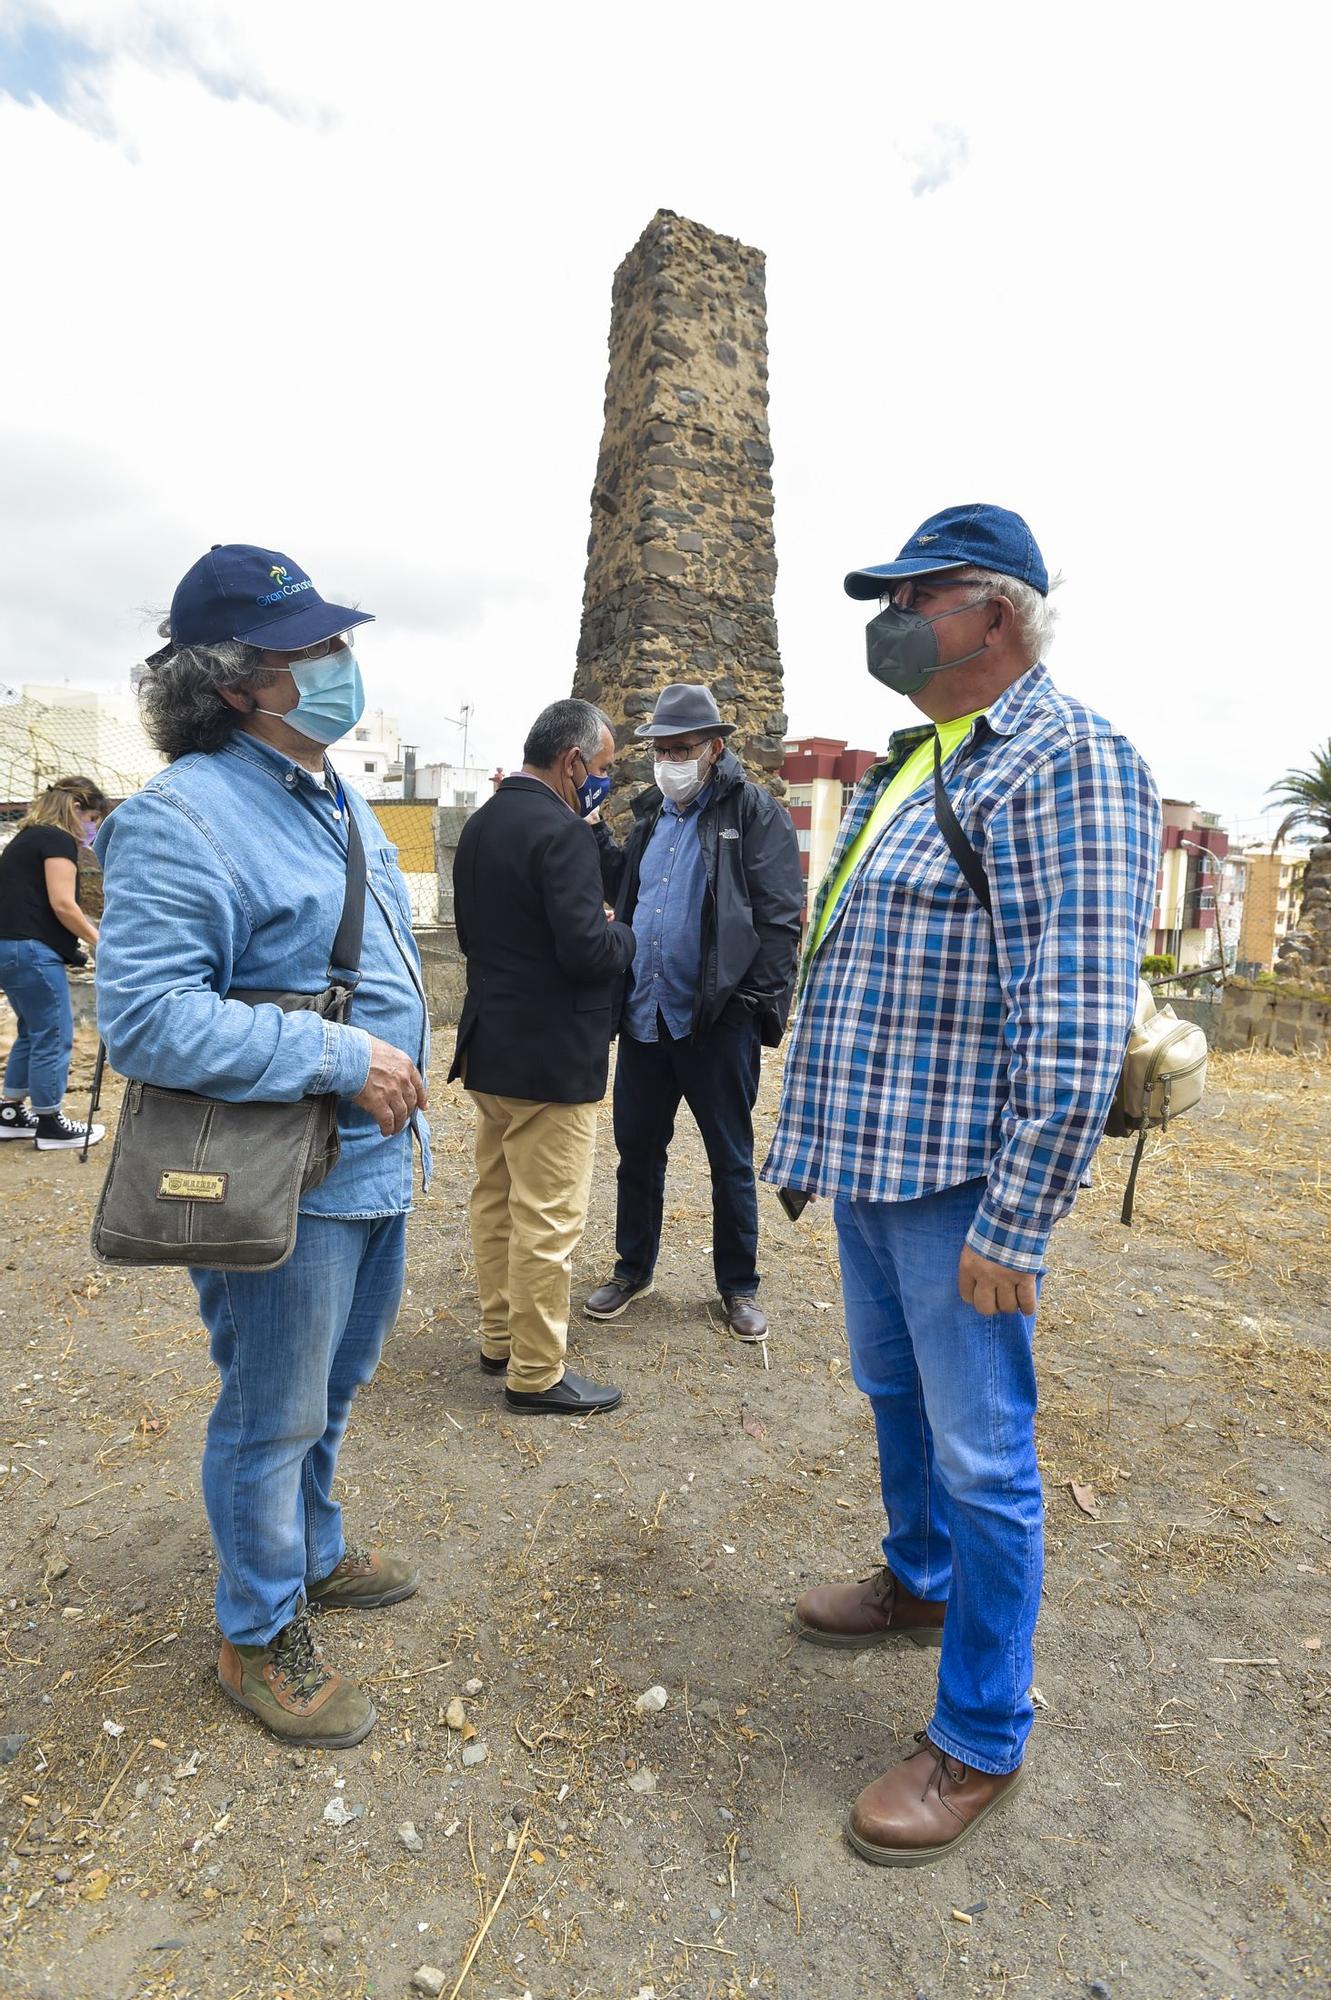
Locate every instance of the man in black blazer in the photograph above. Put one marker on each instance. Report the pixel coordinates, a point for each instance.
(533, 1044)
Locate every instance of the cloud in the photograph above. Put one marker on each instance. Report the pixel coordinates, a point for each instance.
(42, 63)
(61, 54)
(345, 292)
(938, 159)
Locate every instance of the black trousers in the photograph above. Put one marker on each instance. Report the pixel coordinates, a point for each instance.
(717, 1077)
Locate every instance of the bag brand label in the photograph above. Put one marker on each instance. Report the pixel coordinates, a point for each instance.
(176, 1186)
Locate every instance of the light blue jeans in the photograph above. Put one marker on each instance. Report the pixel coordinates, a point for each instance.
(292, 1347)
(953, 1398)
(34, 981)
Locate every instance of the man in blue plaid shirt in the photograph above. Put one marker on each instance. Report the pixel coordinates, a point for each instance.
(947, 1084)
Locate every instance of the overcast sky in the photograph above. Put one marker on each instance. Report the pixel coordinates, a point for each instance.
(336, 280)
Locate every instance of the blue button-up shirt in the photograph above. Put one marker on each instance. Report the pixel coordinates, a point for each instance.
(667, 922)
(934, 1046)
(227, 871)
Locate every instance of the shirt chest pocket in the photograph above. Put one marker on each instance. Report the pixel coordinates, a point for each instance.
(387, 880)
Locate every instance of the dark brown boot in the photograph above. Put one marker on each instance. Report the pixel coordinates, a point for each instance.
(924, 1807)
(866, 1613)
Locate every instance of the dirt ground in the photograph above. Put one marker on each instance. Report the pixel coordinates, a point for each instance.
(1174, 1838)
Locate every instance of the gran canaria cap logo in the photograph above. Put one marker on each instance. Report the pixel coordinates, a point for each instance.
(284, 585)
(920, 540)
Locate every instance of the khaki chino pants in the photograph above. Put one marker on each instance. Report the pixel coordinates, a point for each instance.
(528, 1212)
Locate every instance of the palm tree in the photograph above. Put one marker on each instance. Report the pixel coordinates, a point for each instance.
(1308, 795)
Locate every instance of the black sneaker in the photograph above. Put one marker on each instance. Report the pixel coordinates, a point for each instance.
(58, 1134)
(17, 1122)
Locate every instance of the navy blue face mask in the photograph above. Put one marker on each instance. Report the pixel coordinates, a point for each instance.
(593, 790)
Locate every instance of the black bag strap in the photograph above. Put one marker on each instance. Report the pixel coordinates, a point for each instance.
(344, 959)
(967, 860)
(1130, 1192)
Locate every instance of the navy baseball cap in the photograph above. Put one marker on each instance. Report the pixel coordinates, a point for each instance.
(974, 537)
(239, 592)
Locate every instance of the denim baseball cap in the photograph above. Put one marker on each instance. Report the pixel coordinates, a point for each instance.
(239, 592)
(974, 537)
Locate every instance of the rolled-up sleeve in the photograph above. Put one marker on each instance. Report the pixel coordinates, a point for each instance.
(176, 921)
(1071, 860)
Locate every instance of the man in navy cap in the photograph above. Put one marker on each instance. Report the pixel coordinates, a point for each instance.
(710, 881)
(967, 989)
(228, 872)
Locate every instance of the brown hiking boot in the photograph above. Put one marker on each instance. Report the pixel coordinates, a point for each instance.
(924, 1807)
(866, 1613)
(285, 1685)
(362, 1581)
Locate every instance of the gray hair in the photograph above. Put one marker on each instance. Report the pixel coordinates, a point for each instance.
(179, 693)
(563, 726)
(1035, 615)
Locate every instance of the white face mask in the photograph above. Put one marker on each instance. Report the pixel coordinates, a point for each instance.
(680, 782)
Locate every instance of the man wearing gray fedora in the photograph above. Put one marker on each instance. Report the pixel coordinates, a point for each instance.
(709, 879)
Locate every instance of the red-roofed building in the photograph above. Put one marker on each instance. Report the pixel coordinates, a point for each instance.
(821, 773)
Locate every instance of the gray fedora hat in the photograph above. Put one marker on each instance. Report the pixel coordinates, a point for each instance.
(685, 710)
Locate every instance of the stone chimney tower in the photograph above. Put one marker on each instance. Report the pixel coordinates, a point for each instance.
(681, 561)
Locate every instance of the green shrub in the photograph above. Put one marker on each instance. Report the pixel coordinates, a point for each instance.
(1157, 964)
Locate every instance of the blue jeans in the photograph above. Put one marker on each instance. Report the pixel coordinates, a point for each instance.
(953, 1398)
(717, 1076)
(292, 1347)
(34, 981)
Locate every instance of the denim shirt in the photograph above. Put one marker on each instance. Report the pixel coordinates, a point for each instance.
(667, 922)
(228, 870)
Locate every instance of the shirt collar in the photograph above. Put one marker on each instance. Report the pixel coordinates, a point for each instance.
(256, 751)
(1007, 715)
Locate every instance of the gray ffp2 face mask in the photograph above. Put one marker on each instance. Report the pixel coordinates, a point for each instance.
(902, 647)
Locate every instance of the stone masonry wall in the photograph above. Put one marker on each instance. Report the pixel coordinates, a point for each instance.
(681, 561)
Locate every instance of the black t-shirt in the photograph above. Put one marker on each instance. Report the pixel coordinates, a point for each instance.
(25, 907)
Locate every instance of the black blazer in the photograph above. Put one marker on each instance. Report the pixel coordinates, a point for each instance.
(542, 959)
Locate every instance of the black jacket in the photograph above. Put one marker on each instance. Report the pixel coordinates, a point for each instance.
(543, 963)
(754, 903)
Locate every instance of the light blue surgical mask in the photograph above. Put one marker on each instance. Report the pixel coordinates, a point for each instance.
(332, 697)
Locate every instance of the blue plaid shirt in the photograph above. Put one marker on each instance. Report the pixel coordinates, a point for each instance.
(933, 1046)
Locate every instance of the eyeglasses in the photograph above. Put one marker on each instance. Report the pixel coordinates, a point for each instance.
(901, 596)
(336, 644)
(680, 753)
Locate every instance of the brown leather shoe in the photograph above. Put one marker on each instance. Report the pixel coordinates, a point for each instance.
(864, 1614)
(611, 1299)
(743, 1317)
(924, 1807)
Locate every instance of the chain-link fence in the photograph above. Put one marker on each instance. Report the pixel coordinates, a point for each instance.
(45, 736)
(411, 828)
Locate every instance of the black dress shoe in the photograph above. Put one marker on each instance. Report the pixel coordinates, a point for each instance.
(571, 1396)
(743, 1317)
(608, 1301)
(491, 1366)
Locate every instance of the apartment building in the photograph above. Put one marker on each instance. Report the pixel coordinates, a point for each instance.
(1186, 920)
(821, 772)
(1272, 890)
